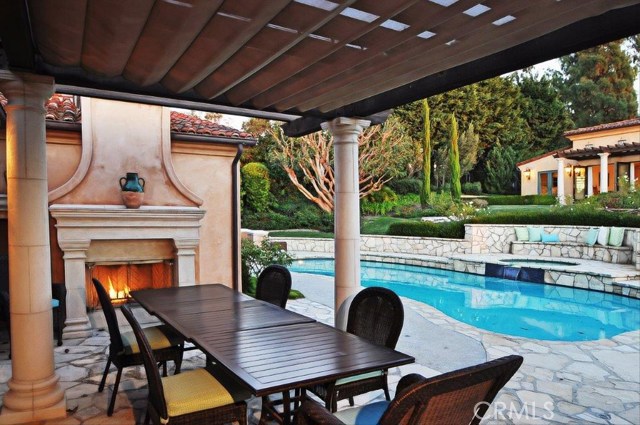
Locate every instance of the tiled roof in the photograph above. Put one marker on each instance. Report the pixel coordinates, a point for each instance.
(607, 126)
(59, 107)
(189, 124)
(62, 107)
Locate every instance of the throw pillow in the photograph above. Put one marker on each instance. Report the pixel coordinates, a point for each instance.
(535, 234)
(522, 234)
(592, 237)
(603, 236)
(550, 237)
(616, 236)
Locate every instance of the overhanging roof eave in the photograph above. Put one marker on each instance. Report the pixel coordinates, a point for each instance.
(610, 26)
(175, 101)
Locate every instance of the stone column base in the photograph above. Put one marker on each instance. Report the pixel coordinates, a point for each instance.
(77, 329)
(58, 410)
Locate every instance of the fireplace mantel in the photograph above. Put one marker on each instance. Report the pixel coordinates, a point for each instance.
(79, 225)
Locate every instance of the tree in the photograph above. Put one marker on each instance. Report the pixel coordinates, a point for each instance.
(598, 85)
(454, 160)
(425, 191)
(384, 152)
(469, 143)
(500, 169)
(546, 114)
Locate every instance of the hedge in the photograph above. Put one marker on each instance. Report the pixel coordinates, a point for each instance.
(521, 200)
(560, 217)
(427, 229)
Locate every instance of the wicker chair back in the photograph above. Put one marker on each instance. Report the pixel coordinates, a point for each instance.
(116, 345)
(156, 393)
(274, 285)
(459, 397)
(377, 315)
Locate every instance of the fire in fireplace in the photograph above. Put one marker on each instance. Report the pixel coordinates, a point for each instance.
(122, 278)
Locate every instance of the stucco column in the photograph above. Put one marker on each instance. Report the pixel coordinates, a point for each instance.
(604, 172)
(345, 133)
(590, 181)
(77, 324)
(186, 261)
(34, 392)
(561, 195)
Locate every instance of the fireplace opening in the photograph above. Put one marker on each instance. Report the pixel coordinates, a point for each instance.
(121, 278)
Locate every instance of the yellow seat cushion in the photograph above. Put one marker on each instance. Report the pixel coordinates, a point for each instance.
(157, 340)
(193, 391)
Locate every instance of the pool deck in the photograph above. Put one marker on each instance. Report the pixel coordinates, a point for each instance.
(594, 382)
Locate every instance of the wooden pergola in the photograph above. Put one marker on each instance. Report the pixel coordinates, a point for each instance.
(336, 64)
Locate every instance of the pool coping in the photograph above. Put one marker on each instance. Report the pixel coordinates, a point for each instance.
(618, 279)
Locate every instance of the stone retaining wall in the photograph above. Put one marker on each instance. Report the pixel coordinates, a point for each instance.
(479, 239)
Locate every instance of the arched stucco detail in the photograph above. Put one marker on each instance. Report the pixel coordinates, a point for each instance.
(168, 164)
(85, 158)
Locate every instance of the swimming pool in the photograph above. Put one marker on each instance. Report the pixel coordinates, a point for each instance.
(530, 310)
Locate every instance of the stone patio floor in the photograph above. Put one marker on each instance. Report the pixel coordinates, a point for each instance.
(593, 382)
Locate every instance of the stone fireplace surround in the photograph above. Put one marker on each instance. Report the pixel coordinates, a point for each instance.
(104, 233)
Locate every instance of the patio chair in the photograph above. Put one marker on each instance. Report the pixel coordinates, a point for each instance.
(192, 397)
(59, 307)
(459, 397)
(377, 315)
(124, 350)
(274, 285)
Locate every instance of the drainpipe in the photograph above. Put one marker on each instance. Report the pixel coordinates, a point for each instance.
(235, 219)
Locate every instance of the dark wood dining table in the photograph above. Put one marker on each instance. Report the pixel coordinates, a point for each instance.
(268, 348)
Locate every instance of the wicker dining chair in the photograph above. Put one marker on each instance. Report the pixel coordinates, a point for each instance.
(124, 350)
(377, 315)
(193, 397)
(274, 285)
(459, 397)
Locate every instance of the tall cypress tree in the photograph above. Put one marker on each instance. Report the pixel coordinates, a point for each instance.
(454, 160)
(598, 85)
(425, 191)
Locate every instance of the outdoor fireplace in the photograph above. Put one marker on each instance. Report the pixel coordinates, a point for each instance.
(152, 246)
(122, 278)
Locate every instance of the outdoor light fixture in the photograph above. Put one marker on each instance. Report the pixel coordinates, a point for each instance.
(568, 169)
(527, 174)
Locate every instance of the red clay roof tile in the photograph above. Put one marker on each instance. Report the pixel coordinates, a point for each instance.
(607, 126)
(190, 124)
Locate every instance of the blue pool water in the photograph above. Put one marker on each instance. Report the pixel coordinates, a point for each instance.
(530, 310)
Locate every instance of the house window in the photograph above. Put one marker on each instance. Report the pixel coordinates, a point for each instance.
(548, 183)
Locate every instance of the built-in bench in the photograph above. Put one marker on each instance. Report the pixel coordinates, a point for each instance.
(566, 249)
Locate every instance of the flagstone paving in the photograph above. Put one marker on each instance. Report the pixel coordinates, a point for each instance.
(593, 382)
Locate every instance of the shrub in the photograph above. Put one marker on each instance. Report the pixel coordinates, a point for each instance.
(479, 203)
(255, 186)
(405, 186)
(254, 258)
(383, 195)
(450, 230)
(521, 200)
(563, 216)
(472, 188)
